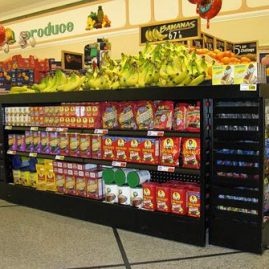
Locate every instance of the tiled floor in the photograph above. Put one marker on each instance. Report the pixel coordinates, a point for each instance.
(35, 239)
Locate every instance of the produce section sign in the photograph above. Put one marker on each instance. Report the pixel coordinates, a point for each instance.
(171, 30)
(72, 60)
(208, 41)
(248, 49)
(220, 44)
(229, 46)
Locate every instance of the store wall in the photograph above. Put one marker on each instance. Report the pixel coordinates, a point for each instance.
(240, 20)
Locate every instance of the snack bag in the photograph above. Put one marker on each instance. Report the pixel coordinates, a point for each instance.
(85, 146)
(178, 199)
(108, 147)
(164, 115)
(180, 113)
(135, 150)
(127, 115)
(193, 118)
(163, 199)
(110, 116)
(191, 153)
(193, 202)
(121, 148)
(170, 151)
(150, 150)
(149, 195)
(144, 115)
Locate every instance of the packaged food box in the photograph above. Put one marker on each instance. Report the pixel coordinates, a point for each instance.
(60, 180)
(193, 202)
(78, 122)
(16, 176)
(163, 118)
(135, 150)
(36, 142)
(246, 73)
(33, 179)
(111, 193)
(178, 200)
(127, 115)
(108, 147)
(136, 197)
(70, 182)
(41, 177)
(124, 195)
(95, 189)
(144, 115)
(81, 184)
(121, 148)
(150, 150)
(170, 151)
(85, 146)
(163, 198)
(12, 142)
(64, 144)
(44, 141)
(62, 121)
(191, 153)
(96, 146)
(110, 115)
(21, 146)
(222, 74)
(54, 142)
(149, 195)
(74, 144)
(50, 178)
(96, 174)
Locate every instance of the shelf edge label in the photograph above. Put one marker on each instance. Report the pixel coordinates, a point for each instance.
(11, 152)
(119, 164)
(33, 154)
(169, 169)
(248, 87)
(8, 127)
(100, 131)
(155, 133)
(59, 157)
(34, 128)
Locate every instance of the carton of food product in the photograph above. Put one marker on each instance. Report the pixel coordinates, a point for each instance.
(54, 143)
(163, 198)
(21, 146)
(150, 150)
(85, 146)
(135, 150)
(193, 202)
(41, 177)
(33, 179)
(16, 176)
(170, 151)
(108, 147)
(222, 74)
(96, 146)
(111, 193)
(136, 197)
(12, 142)
(50, 178)
(64, 144)
(178, 200)
(60, 180)
(149, 195)
(74, 144)
(95, 188)
(121, 148)
(36, 142)
(70, 182)
(124, 195)
(246, 73)
(81, 184)
(44, 141)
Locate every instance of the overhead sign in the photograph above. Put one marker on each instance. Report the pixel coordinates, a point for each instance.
(171, 30)
(248, 49)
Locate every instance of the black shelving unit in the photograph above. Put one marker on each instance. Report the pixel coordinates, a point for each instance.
(170, 226)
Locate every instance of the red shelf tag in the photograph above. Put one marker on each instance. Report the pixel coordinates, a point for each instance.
(155, 133)
(101, 131)
(119, 164)
(169, 169)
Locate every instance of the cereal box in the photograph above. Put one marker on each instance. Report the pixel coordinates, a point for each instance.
(64, 144)
(95, 188)
(163, 199)
(81, 184)
(54, 143)
(149, 195)
(29, 143)
(121, 148)
(178, 200)
(150, 150)
(222, 74)
(193, 202)
(44, 141)
(70, 182)
(74, 144)
(60, 180)
(96, 146)
(36, 142)
(12, 142)
(108, 147)
(85, 146)
(135, 150)
(21, 146)
(170, 151)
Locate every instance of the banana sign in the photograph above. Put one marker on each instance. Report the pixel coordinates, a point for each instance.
(171, 30)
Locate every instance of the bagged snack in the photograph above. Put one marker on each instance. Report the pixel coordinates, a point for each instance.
(121, 148)
(193, 118)
(41, 177)
(179, 120)
(110, 116)
(144, 115)
(178, 199)
(108, 147)
(135, 150)
(163, 198)
(170, 151)
(149, 195)
(150, 150)
(193, 201)
(127, 115)
(164, 115)
(85, 146)
(191, 153)
(50, 178)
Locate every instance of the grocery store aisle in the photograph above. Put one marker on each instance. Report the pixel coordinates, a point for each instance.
(31, 238)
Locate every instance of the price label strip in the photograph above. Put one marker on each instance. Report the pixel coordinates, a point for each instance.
(8, 127)
(50, 129)
(34, 128)
(155, 133)
(33, 154)
(11, 152)
(119, 164)
(101, 131)
(169, 169)
(61, 130)
(59, 157)
(248, 87)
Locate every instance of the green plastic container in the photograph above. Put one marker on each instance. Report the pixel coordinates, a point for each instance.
(137, 178)
(121, 176)
(109, 175)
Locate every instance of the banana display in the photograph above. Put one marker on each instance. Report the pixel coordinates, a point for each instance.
(164, 65)
(154, 35)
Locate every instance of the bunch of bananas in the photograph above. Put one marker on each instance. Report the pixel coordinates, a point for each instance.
(154, 35)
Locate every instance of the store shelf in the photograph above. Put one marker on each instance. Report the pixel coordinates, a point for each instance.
(168, 226)
(135, 133)
(104, 162)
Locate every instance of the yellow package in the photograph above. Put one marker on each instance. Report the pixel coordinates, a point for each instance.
(246, 73)
(33, 179)
(48, 162)
(25, 178)
(50, 178)
(222, 74)
(41, 177)
(16, 176)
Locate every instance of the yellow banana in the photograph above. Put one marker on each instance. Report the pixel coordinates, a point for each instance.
(197, 80)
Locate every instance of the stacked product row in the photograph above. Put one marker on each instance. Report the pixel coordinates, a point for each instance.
(141, 115)
(123, 186)
(163, 151)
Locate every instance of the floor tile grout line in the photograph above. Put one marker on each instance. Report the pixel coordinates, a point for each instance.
(99, 266)
(121, 248)
(3, 206)
(187, 258)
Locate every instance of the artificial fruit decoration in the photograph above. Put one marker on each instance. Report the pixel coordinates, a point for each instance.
(10, 36)
(2, 35)
(6, 48)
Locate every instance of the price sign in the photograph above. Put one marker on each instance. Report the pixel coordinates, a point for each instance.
(171, 30)
(33, 154)
(50, 129)
(34, 128)
(101, 131)
(119, 164)
(61, 130)
(11, 152)
(248, 87)
(8, 127)
(155, 133)
(247, 49)
(169, 169)
(209, 41)
(220, 44)
(59, 157)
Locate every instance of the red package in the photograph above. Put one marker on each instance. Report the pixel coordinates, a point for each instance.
(150, 150)
(178, 199)
(170, 151)
(193, 202)
(74, 144)
(163, 199)
(135, 150)
(149, 195)
(164, 115)
(121, 148)
(108, 147)
(179, 121)
(144, 115)
(193, 118)
(191, 153)
(85, 145)
(110, 116)
(127, 115)
(80, 184)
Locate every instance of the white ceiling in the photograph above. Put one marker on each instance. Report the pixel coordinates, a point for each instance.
(14, 8)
